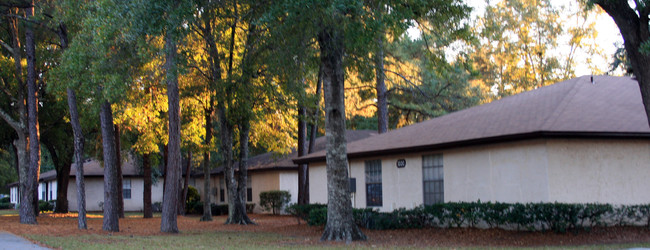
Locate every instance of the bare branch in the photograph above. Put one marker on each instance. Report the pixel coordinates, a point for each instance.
(13, 123)
(9, 48)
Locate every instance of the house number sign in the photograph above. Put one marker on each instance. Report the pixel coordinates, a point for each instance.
(401, 163)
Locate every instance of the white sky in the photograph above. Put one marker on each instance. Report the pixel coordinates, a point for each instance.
(607, 35)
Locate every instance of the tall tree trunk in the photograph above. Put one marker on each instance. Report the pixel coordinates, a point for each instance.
(225, 133)
(303, 189)
(168, 223)
(21, 144)
(186, 183)
(146, 196)
(635, 31)
(239, 216)
(382, 102)
(120, 178)
(207, 209)
(111, 213)
(62, 165)
(78, 158)
(340, 224)
(315, 116)
(32, 108)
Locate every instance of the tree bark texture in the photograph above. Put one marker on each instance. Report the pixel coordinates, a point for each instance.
(635, 31)
(78, 159)
(111, 213)
(146, 195)
(303, 189)
(62, 163)
(19, 125)
(207, 209)
(120, 178)
(168, 223)
(382, 102)
(32, 108)
(340, 224)
(315, 116)
(225, 133)
(238, 215)
(186, 183)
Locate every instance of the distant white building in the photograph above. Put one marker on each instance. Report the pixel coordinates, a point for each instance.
(132, 186)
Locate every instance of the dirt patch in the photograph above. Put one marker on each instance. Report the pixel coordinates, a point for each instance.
(302, 234)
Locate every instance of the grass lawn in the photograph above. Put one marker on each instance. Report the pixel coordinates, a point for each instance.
(272, 232)
(232, 240)
(213, 240)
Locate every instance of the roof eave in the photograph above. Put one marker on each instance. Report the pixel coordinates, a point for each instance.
(488, 140)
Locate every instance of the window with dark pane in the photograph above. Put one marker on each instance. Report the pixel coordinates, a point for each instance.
(373, 183)
(249, 190)
(433, 179)
(126, 189)
(222, 194)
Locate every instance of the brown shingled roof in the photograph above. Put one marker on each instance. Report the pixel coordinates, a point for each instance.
(609, 107)
(95, 168)
(270, 160)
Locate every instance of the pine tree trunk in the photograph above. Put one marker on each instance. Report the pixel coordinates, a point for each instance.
(78, 158)
(120, 178)
(111, 213)
(168, 223)
(382, 102)
(32, 109)
(207, 209)
(303, 189)
(146, 195)
(340, 224)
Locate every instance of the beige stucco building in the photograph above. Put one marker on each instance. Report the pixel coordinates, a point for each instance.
(577, 141)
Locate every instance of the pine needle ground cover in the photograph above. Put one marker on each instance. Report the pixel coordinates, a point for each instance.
(60, 231)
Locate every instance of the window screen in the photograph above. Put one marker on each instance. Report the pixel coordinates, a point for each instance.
(373, 183)
(126, 189)
(433, 179)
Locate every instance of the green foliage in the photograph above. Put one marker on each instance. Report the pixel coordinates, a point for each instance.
(557, 217)
(44, 206)
(302, 211)
(274, 200)
(7, 169)
(193, 201)
(6, 205)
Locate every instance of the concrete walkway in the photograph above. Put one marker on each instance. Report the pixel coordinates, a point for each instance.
(9, 241)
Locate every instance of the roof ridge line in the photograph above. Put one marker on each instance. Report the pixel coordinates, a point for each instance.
(560, 108)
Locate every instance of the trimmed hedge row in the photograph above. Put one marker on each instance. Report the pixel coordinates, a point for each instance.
(559, 217)
(6, 205)
(197, 208)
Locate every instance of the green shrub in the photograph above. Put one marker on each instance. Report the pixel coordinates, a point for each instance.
(250, 207)
(302, 210)
(5, 200)
(558, 217)
(274, 200)
(45, 205)
(193, 204)
(317, 216)
(219, 209)
(6, 205)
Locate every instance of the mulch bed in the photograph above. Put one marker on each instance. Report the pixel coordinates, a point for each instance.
(302, 234)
